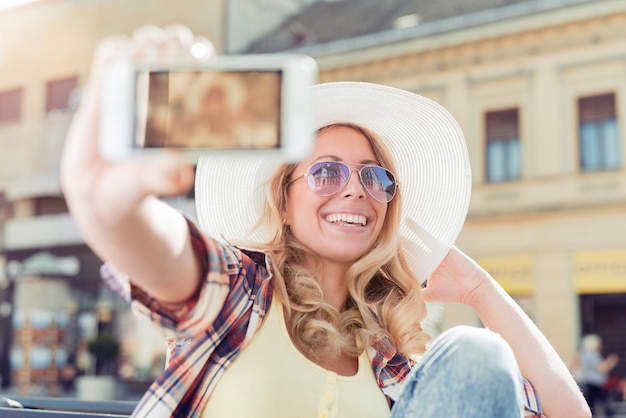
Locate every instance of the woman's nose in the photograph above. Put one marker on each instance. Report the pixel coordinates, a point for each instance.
(353, 187)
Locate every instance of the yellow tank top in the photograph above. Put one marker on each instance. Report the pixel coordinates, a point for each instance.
(270, 378)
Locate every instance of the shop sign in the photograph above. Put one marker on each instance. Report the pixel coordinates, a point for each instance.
(514, 272)
(600, 271)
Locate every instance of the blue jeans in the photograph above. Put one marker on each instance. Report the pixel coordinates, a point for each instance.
(466, 372)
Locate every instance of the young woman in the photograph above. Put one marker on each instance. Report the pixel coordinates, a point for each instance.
(317, 311)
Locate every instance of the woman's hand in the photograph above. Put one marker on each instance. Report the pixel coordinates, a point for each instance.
(111, 189)
(458, 279)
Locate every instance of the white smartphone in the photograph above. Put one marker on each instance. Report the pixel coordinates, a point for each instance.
(229, 104)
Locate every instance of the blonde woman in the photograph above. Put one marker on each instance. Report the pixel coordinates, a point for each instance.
(317, 311)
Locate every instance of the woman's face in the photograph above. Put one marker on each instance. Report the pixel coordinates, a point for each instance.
(316, 220)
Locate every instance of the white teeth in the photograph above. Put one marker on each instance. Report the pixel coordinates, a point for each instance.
(347, 218)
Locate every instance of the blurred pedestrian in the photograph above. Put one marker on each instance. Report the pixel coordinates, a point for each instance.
(594, 374)
(67, 378)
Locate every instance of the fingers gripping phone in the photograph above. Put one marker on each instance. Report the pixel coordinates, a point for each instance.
(230, 104)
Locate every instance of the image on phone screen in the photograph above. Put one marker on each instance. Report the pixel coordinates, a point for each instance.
(208, 109)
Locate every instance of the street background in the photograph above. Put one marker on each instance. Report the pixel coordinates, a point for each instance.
(538, 88)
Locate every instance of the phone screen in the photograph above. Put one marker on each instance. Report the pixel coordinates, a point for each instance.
(208, 109)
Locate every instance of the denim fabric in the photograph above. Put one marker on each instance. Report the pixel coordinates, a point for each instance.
(467, 372)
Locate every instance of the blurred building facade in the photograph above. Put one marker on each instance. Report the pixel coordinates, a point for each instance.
(538, 87)
(48, 313)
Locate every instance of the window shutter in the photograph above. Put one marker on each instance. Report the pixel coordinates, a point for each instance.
(596, 108)
(502, 124)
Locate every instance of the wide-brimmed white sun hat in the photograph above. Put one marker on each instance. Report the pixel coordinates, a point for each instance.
(428, 148)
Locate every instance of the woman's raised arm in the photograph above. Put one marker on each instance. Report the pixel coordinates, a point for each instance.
(114, 204)
(459, 279)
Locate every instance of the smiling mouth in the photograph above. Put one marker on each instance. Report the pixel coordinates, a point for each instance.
(345, 218)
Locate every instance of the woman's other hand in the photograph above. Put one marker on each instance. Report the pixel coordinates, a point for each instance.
(458, 279)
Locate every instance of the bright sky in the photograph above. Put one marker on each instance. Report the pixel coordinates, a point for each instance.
(7, 4)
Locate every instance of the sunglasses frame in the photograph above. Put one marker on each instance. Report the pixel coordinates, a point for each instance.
(308, 174)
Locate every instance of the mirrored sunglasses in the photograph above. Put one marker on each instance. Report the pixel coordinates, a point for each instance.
(328, 177)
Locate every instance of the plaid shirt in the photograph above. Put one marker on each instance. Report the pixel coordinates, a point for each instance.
(205, 337)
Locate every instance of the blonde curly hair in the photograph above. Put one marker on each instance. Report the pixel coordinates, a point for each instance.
(385, 297)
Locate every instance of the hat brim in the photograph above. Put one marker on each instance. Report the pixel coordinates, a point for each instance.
(429, 152)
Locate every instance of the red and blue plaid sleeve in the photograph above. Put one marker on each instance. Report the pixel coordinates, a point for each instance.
(532, 406)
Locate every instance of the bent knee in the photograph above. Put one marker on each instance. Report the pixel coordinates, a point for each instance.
(479, 345)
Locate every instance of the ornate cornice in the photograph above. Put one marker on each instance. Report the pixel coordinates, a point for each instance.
(488, 50)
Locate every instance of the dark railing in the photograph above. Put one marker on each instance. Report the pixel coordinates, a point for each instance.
(39, 407)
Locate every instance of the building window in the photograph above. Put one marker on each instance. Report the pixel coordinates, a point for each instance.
(598, 133)
(60, 94)
(504, 154)
(10, 105)
(49, 205)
